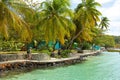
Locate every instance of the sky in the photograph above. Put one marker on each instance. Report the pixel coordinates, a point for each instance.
(109, 9)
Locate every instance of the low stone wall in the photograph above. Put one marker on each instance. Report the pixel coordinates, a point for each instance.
(29, 65)
(20, 65)
(8, 57)
(22, 56)
(40, 56)
(85, 51)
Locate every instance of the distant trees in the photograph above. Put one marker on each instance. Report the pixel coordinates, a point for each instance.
(105, 41)
(117, 41)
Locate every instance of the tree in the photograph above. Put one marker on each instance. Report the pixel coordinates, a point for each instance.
(104, 23)
(11, 19)
(117, 41)
(105, 41)
(86, 17)
(55, 22)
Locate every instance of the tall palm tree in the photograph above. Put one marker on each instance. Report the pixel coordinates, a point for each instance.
(55, 22)
(10, 19)
(86, 17)
(104, 23)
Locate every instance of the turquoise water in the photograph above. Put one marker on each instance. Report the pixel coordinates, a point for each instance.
(103, 67)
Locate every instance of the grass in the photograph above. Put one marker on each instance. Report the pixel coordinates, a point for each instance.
(12, 52)
(113, 50)
(16, 52)
(41, 51)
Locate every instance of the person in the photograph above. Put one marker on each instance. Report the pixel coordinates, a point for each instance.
(52, 54)
(59, 53)
(29, 53)
(35, 44)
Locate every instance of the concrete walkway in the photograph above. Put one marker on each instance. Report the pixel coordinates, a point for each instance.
(76, 56)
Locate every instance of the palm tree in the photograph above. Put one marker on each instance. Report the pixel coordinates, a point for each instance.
(55, 22)
(86, 17)
(104, 23)
(10, 19)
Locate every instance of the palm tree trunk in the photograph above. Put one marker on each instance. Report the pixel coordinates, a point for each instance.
(71, 41)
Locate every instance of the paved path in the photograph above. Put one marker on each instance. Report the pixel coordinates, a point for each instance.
(76, 56)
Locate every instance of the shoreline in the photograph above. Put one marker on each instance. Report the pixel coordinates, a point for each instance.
(16, 65)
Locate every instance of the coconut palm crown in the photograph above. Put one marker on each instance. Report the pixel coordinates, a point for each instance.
(11, 19)
(104, 23)
(55, 20)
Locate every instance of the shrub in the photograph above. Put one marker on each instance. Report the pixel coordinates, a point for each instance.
(65, 53)
(86, 45)
(10, 45)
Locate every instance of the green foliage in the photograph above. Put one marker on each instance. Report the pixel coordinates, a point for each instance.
(86, 46)
(11, 18)
(54, 23)
(105, 40)
(10, 46)
(65, 53)
(51, 21)
(104, 23)
(117, 39)
(117, 45)
(86, 18)
(41, 51)
(113, 50)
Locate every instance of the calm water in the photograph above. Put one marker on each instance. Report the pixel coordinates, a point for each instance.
(103, 67)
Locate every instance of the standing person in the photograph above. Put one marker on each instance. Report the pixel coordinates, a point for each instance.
(35, 44)
(59, 53)
(52, 54)
(29, 53)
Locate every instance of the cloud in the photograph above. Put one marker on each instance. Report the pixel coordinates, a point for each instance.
(38, 1)
(114, 28)
(103, 1)
(75, 1)
(113, 14)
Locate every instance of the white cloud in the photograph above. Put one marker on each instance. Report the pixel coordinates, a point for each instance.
(39, 1)
(103, 1)
(75, 1)
(114, 28)
(113, 13)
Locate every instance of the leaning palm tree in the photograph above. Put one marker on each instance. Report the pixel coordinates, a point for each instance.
(86, 17)
(55, 22)
(104, 23)
(11, 19)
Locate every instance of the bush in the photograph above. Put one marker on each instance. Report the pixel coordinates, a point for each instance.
(10, 46)
(86, 45)
(41, 51)
(65, 53)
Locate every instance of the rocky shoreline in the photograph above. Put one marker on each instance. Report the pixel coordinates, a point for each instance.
(23, 64)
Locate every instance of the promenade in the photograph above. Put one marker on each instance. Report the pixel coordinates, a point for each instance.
(13, 65)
